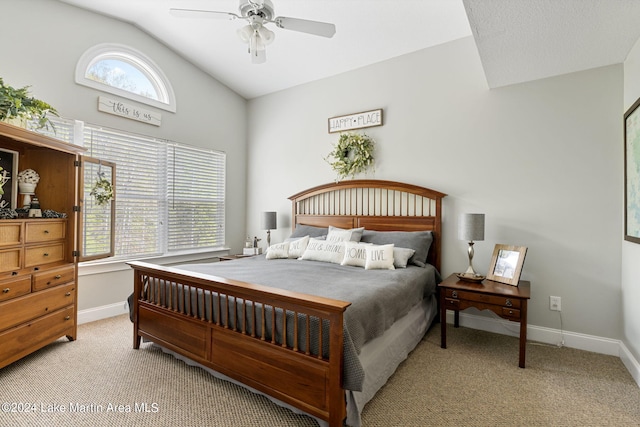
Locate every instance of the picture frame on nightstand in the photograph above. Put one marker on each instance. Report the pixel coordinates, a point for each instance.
(506, 264)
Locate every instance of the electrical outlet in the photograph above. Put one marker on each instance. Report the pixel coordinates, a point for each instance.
(555, 303)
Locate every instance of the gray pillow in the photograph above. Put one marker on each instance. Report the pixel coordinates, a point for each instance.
(309, 230)
(419, 241)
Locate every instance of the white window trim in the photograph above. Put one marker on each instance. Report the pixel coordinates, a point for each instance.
(108, 266)
(139, 60)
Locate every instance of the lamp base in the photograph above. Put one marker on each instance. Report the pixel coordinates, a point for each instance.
(471, 277)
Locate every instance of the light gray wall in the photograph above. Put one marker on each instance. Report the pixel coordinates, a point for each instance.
(631, 251)
(43, 41)
(542, 160)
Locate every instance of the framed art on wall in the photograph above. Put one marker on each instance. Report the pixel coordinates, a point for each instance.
(506, 264)
(632, 173)
(8, 181)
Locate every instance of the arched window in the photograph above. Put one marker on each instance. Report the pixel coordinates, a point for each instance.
(125, 72)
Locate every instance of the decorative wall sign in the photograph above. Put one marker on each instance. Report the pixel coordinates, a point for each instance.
(130, 111)
(632, 173)
(8, 181)
(356, 121)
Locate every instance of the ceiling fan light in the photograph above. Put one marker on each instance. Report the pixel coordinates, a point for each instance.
(266, 35)
(245, 33)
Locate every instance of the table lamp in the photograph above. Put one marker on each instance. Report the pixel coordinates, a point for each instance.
(269, 222)
(471, 228)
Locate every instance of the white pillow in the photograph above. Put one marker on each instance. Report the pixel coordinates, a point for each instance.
(400, 256)
(297, 246)
(354, 254)
(336, 234)
(279, 250)
(321, 250)
(379, 257)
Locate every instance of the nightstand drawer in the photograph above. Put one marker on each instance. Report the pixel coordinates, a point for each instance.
(484, 298)
(511, 313)
(453, 304)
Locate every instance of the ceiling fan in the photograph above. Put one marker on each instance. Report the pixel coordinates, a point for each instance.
(258, 13)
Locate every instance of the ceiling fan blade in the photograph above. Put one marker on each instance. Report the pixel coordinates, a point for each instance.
(304, 26)
(209, 14)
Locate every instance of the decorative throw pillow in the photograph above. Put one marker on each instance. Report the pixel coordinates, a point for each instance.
(419, 241)
(322, 250)
(400, 256)
(279, 250)
(302, 230)
(379, 257)
(354, 254)
(341, 235)
(297, 246)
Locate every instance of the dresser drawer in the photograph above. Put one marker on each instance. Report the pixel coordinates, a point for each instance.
(485, 298)
(45, 231)
(13, 288)
(10, 259)
(37, 255)
(53, 277)
(28, 307)
(19, 341)
(10, 233)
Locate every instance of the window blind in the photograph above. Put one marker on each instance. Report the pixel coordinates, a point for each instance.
(196, 198)
(169, 196)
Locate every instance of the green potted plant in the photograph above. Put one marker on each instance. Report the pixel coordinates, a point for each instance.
(17, 103)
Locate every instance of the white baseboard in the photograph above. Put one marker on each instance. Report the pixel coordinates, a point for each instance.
(551, 336)
(630, 362)
(102, 312)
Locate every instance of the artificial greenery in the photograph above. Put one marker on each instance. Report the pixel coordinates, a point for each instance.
(351, 155)
(17, 103)
(102, 191)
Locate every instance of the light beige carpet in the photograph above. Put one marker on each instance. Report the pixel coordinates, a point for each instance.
(474, 382)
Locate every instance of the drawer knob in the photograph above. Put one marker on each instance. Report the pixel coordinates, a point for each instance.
(67, 317)
(508, 303)
(68, 294)
(58, 277)
(46, 231)
(45, 254)
(6, 290)
(454, 294)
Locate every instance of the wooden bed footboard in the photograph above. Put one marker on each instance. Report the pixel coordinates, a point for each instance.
(243, 346)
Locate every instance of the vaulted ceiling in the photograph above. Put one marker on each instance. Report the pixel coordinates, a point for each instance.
(517, 40)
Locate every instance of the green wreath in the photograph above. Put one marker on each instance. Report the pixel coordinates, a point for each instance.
(102, 191)
(351, 155)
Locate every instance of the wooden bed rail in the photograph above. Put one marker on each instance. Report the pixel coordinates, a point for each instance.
(227, 325)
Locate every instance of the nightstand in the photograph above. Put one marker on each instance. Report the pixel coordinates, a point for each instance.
(508, 302)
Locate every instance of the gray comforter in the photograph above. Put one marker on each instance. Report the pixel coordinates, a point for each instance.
(378, 297)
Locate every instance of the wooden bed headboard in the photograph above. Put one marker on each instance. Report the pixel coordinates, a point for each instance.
(375, 205)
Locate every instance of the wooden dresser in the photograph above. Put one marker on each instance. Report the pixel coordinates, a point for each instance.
(39, 256)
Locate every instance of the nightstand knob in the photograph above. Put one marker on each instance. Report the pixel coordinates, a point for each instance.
(6, 290)
(508, 303)
(454, 294)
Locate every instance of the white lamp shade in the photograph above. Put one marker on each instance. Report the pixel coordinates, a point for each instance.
(268, 221)
(471, 227)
